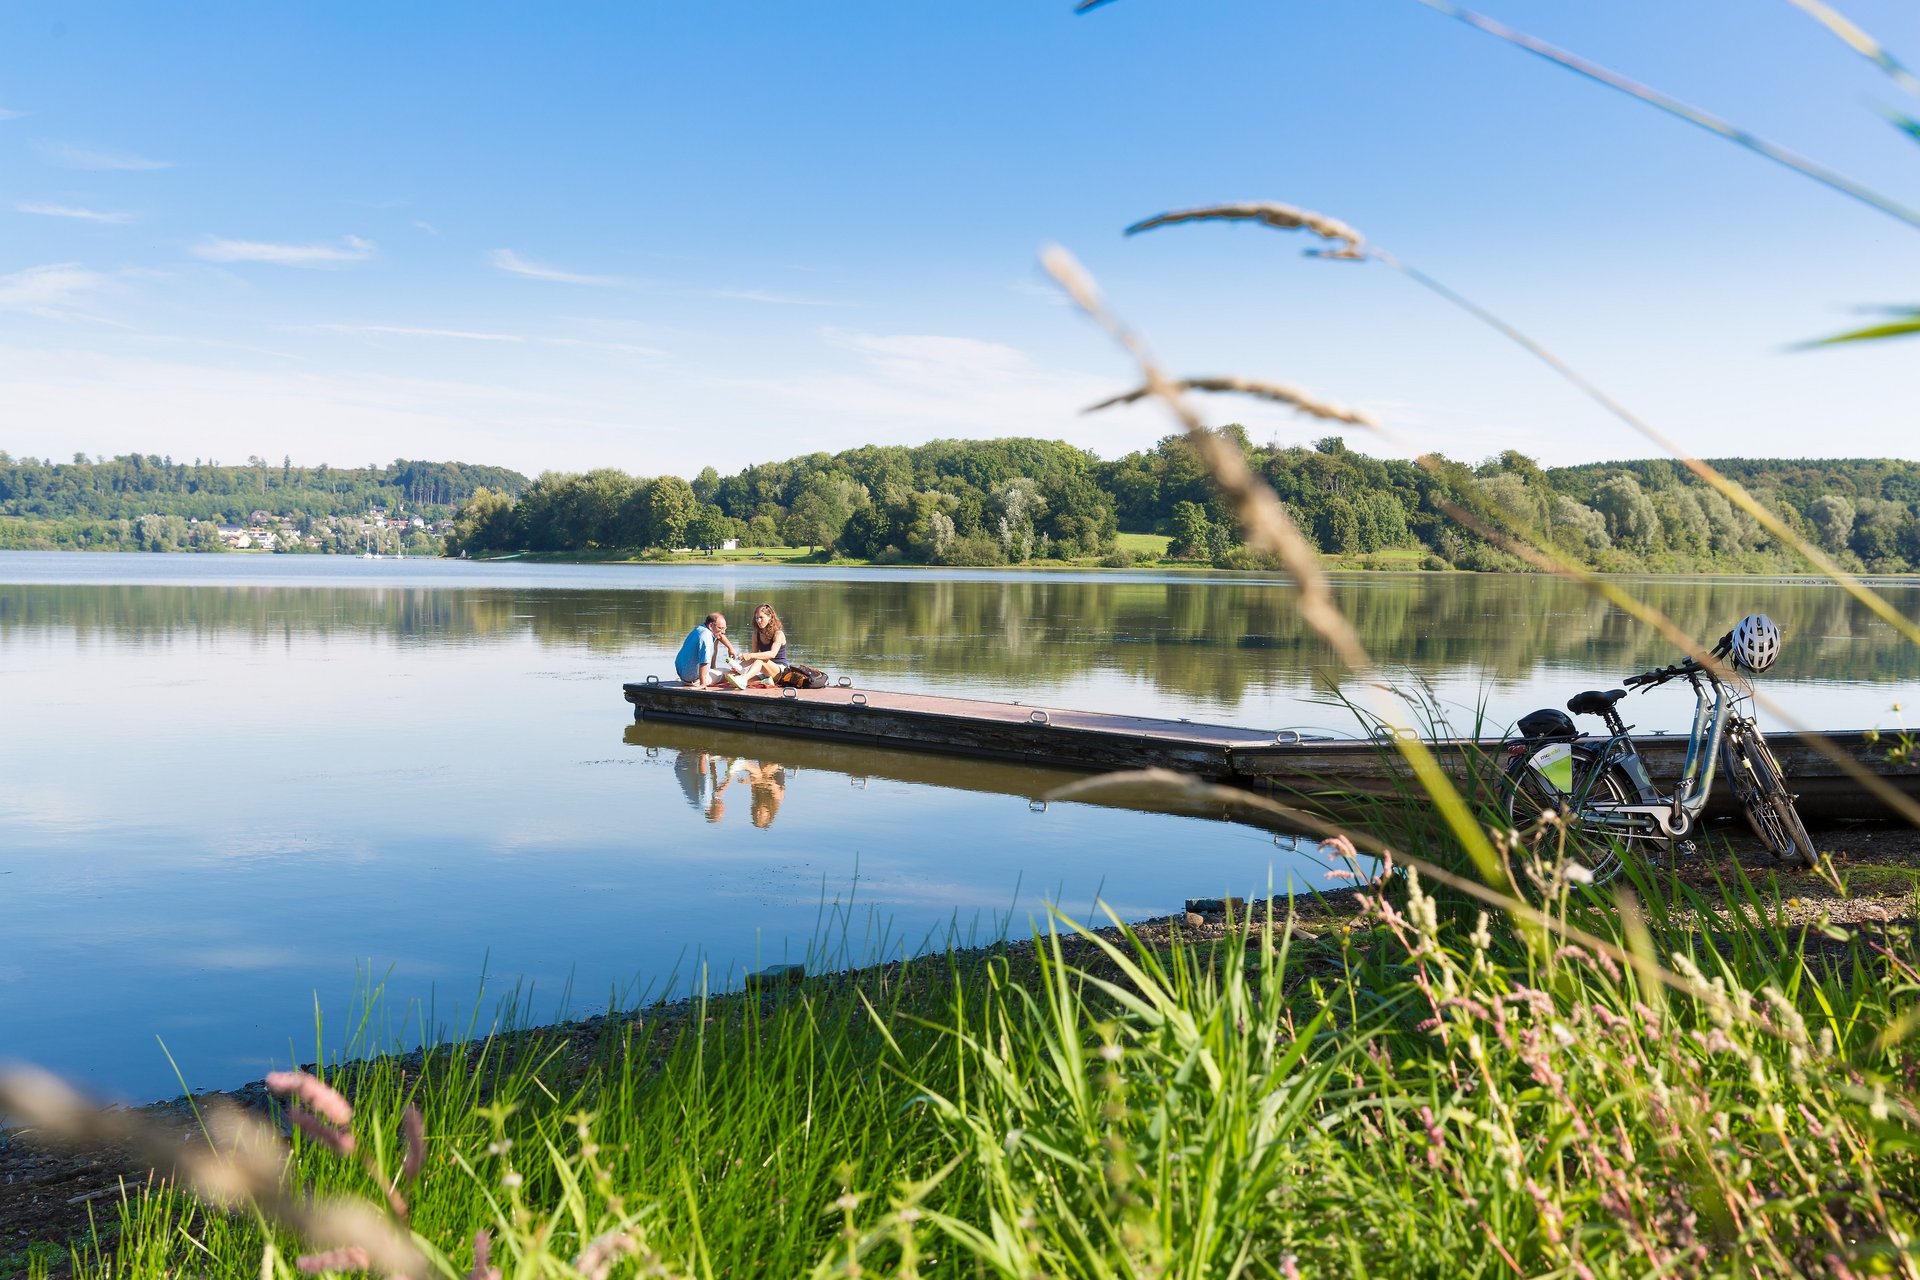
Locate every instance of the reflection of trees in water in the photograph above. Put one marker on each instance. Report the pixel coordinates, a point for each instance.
(131, 613)
(1206, 638)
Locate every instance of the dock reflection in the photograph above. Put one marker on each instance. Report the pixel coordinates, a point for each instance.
(715, 766)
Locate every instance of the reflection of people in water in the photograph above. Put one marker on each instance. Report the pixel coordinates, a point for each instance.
(769, 783)
(700, 782)
(704, 779)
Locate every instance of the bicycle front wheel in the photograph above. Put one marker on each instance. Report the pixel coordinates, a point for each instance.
(1527, 798)
(1762, 791)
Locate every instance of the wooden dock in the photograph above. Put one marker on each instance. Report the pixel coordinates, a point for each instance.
(1307, 769)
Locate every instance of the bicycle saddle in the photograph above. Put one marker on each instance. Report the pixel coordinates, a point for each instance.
(1593, 702)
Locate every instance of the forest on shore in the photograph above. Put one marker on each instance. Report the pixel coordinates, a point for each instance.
(147, 502)
(987, 502)
(1017, 501)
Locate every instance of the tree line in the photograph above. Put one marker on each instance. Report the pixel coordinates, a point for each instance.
(953, 502)
(959, 502)
(151, 502)
(986, 502)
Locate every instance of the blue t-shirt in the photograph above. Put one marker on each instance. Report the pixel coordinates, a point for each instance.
(696, 650)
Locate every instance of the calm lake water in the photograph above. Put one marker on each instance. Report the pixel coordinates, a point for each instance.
(237, 789)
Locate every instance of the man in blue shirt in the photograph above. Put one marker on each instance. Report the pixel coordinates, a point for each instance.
(698, 662)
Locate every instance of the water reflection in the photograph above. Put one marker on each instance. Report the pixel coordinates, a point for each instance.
(1216, 640)
(707, 761)
(705, 778)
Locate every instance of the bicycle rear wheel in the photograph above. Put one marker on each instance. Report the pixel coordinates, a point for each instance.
(1527, 798)
(1762, 790)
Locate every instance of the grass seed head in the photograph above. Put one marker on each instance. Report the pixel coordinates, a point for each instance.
(596, 1260)
(1277, 392)
(482, 1244)
(350, 1258)
(339, 1141)
(319, 1097)
(1284, 217)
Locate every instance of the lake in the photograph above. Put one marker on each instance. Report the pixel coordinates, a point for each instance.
(235, 790)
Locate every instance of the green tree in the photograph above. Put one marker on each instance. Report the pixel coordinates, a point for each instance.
(596, 504)
(1192, 532)
(1729, 531)
(1515, 505)
(1832, 517)
(706, 485)
(1631, 519)
(821, 510)
(1081, 519)
(485, 523)
(709, 528)
(868, 533)
(1021, 507)
(670, 508)
(1683, 522)
(762, 532)
(1578, 526)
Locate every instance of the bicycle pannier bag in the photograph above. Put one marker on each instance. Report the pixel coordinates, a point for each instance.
(1554, 763)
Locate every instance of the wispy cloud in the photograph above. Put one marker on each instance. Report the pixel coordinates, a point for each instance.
(933, 359)
(67, 156)
(594, 344)
(410, 331)
(482, 335)
(774, 299)
(426, 226)
(7, 113)
(512, 263)
(350, 249)
(70, 211)
(931, 383)
(54, 290)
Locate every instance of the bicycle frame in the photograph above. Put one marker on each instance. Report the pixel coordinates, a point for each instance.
(1654, 814)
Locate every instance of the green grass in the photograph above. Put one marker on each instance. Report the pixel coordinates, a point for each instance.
(1139, 544)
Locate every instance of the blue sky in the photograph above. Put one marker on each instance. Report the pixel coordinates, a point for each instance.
(665, 236)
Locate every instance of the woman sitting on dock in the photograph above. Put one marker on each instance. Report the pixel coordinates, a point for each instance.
(768, 656)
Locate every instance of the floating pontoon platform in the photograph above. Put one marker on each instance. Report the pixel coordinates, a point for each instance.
(1305, 767)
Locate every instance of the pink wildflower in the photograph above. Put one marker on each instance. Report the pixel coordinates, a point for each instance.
(337, 1140)
(317, 1094)
(350, 1258)
(597, 1259)
(481, 1271)
(414, 1130)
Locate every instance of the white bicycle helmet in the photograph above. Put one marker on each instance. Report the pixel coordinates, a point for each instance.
(1756, 642)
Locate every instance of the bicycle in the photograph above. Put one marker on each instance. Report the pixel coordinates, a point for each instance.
(1600, 787)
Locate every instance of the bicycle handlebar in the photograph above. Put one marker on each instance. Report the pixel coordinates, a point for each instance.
(1650, 679)
(1687, 666)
